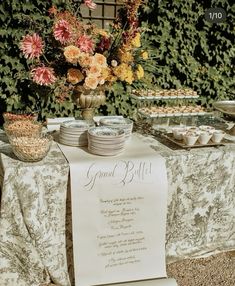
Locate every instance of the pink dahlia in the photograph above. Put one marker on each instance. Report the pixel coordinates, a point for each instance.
(43, 75)
(90, 4)
(62, 31)
(31, 46)
(85, 44)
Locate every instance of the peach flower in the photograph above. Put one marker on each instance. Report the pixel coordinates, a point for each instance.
(85, 60)
(94, 70)
(91, 82)
(100, 60)
(72, 54)
(74, 76)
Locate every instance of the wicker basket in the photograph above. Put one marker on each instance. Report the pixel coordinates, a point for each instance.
(31, 149)
(22, 128)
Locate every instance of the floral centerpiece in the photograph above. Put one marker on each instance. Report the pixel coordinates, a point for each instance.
(83, 60)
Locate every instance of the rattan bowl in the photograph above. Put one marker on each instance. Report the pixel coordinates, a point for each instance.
(31, 149)
(21, 115)
(22, 128)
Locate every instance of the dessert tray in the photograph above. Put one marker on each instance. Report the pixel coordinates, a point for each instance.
(155, 112)
(158, 94)
(226, 107)
(181, 143)
(193, 136)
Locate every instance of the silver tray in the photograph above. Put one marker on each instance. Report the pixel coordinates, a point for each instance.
(226, 107)
(180, 143)
(166, 115)
(160, 97)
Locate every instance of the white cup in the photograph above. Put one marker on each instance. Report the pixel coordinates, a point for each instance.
(178, 133)
(190, 139)
(217, 136)
(204, 137)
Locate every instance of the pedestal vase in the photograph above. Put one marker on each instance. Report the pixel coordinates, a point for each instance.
(88, 101)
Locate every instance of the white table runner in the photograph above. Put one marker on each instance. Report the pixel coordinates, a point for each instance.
(119, 209)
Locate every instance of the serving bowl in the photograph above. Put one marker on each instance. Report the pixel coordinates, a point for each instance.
(227, 107)
(31, 149)
(22, 128)
(21, 115)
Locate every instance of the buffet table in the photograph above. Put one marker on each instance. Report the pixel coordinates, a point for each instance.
(35, 222)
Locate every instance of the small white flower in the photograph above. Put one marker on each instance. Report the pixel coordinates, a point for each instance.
(114, 63)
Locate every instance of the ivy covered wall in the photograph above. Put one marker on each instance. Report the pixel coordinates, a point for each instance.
(186, 50)
(191, 51)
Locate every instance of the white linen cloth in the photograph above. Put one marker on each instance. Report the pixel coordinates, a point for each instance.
(119, 214)
(53, 124)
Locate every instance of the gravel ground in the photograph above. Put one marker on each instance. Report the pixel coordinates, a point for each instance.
(215, 270)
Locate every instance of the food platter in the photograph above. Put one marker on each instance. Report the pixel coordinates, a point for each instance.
(227, 107)
(181, 143)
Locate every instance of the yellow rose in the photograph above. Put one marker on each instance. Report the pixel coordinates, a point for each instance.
(125, 56)
(129, 76)
(144, 55)
(139, 72)
(124, 73)
(136, 41)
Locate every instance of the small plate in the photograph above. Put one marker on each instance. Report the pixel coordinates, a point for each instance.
(77, 124)
(108, 132)
(116, 121)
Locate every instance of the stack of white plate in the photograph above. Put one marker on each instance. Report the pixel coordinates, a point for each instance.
(122, 123)
(74, 132)
(106, 141)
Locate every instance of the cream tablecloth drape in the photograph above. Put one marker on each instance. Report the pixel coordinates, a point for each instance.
(200, 218)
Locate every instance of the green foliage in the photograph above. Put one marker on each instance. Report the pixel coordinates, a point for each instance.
(18, 18)
(184, 49)
(191, 51)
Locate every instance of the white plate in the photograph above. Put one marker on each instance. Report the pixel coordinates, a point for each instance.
(98, 118)
(116, 121)
(76, 124)
(75, 143)
(106, 132)
(105, 152)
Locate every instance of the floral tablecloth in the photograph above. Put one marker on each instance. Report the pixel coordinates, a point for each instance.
(201, 201)
(35, 214)
(32, 219)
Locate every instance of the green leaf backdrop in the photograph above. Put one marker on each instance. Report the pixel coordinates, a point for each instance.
(185, 51)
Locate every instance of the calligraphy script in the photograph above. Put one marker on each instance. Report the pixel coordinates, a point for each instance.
(123, 173)
(125, 241)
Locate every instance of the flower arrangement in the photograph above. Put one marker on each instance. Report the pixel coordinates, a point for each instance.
(81, 55)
